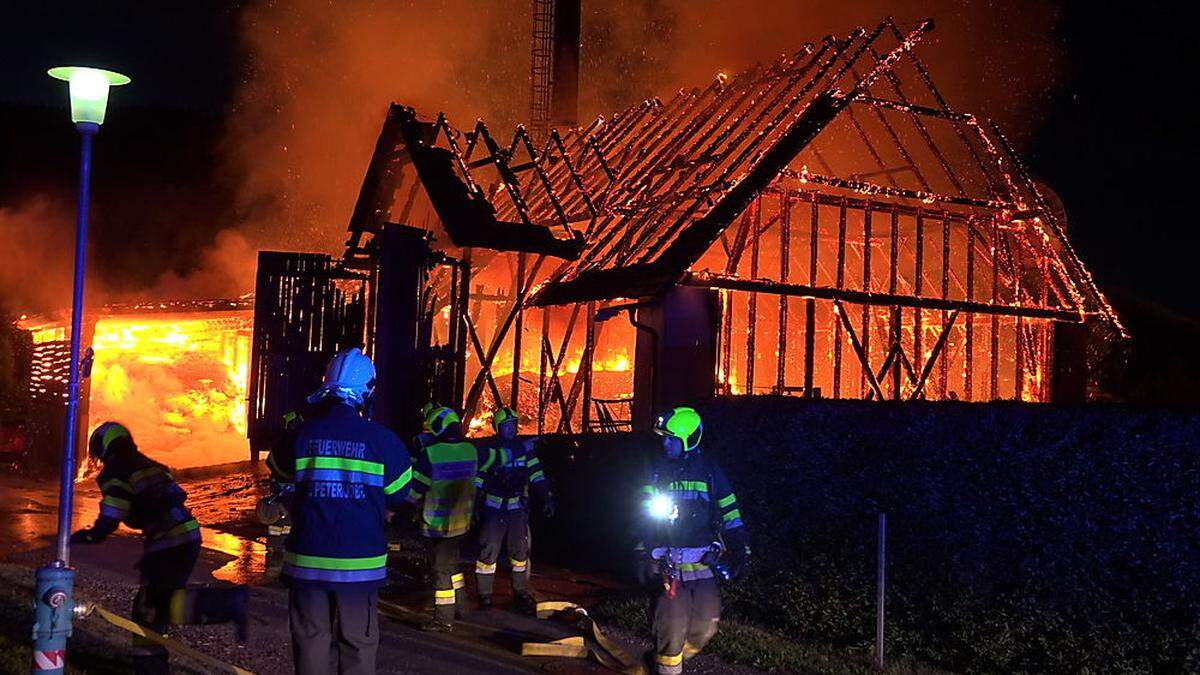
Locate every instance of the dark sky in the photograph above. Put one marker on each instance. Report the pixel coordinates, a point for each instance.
(1111, 139)
(184, 55)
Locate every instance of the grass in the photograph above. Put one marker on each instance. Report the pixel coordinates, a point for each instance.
(745, 643)
(94, 648)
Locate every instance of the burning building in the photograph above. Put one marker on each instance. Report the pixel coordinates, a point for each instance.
(176, 372)
(825, 226)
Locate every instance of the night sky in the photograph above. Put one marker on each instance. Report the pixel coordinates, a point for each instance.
(1110, 137)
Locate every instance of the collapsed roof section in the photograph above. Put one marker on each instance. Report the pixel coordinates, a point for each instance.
(407, 156)
(634, 201)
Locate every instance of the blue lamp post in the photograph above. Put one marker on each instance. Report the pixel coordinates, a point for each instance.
(54, 607)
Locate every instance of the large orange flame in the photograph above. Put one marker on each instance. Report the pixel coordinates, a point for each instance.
(178, 381)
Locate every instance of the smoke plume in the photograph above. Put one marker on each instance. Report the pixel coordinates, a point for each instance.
(321, 75)
(319, 80)
(36, 274)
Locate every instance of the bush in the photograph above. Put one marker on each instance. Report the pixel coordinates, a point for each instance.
(1021, 538)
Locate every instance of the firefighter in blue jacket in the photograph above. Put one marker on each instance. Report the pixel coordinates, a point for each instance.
(509, 471)
(141, 493)
(348, 472)
(690, 532)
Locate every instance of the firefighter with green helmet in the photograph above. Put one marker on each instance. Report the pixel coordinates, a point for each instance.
(510, 471)
(426, 437)
(143, 495)
(443, 487)
(690, 534)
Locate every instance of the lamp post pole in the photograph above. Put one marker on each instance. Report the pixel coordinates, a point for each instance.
(54, 606)
(66, 494)
(56, 580)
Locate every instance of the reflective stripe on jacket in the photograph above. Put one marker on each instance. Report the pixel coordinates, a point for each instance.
(508, 473)
(143, 494)
(349, 471)
(707, 506)
(444, 477)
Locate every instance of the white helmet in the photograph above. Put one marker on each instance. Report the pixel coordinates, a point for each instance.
(350, 377)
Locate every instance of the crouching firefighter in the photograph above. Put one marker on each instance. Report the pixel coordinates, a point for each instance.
(443, 485)
(141, 493)
(691, 533)
(509, 471)
(348, 473)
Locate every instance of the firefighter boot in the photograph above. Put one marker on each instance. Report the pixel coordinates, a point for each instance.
(210, 605)
(525, 603)
(436, 625)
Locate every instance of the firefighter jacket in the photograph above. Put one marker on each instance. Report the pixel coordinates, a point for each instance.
(444, 477)
(707, 510)
(509, 470)
(348, 472)
(141, 493)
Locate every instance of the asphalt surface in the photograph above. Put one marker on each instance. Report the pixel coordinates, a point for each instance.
(222, 499)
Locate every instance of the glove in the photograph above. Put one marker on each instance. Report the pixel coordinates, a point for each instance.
(83, 537)
(646, 570)
(713, 554)
(548, 508)
(739, 564)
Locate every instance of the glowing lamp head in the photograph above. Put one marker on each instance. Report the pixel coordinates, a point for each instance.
(662, 507)
(89, 90)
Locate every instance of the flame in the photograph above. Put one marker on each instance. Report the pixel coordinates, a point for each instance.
(179, 382)
(616, 362)
(478, 422)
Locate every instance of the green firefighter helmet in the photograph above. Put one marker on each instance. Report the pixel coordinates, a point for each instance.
(503, 415)
(428, 408)
(682, 423)
(106, 437)
(439, 419)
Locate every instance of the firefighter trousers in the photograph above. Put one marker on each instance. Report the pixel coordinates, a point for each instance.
(685, 623)
(163, 600)
(449, 594)
(322, 619)
(497, 528)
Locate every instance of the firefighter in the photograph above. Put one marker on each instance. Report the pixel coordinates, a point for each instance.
(141, 493)
(690, 532)
(510, 469)
(443, 485)
(349, 471)
(426, 437)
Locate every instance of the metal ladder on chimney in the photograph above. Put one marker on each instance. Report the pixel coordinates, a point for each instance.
(542, 69)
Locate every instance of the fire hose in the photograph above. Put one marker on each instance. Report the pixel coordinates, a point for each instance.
(593, 643)
(214, 664)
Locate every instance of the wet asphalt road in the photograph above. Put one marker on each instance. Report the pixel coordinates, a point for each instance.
(222, 499)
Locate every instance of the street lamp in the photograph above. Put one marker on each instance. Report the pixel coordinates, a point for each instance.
(54, 606)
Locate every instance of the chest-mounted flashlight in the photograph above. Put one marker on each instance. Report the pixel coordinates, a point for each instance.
(662, 507)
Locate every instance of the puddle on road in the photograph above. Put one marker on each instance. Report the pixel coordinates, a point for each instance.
(249, 564)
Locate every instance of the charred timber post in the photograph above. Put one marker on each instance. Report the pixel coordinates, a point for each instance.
(398, 356)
